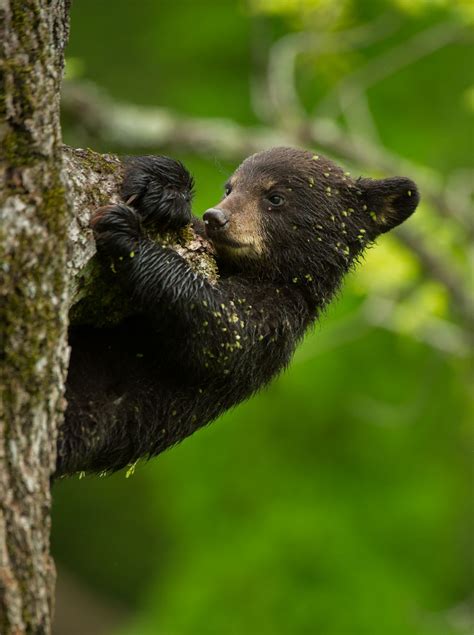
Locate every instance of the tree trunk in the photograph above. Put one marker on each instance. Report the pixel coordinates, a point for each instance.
(34, 218)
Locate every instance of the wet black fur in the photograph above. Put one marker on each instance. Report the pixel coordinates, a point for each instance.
(161, 188)
(197, 349)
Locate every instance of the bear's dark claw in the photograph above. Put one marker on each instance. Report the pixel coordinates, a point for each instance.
(117, 229)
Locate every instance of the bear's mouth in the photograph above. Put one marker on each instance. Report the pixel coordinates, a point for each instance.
(229, 247)
(225, 241)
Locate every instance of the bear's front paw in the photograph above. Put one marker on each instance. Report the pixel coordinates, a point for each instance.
(160, 189)
(117, 229)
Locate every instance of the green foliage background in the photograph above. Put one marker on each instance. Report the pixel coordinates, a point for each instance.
(337, 501)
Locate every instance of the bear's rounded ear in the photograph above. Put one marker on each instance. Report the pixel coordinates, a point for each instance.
(389, 201)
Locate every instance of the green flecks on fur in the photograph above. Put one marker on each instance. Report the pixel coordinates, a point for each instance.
(315, 157)
(311, 181)
(373, 216)
(131, 469)
(409, 192)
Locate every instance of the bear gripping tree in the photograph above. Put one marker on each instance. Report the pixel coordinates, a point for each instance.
(289, 227)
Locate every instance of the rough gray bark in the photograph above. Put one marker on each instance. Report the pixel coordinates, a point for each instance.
(34, 217)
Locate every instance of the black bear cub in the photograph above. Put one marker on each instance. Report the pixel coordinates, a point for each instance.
(290, 225)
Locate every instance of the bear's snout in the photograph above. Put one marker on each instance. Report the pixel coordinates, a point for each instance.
(215, 218)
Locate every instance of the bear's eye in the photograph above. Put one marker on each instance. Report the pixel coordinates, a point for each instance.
(227, 190)
(276, 199)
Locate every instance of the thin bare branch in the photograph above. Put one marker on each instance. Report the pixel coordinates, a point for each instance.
(436, 268)
(281, 89)
(403, 55)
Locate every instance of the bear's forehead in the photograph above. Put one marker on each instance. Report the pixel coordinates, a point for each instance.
(285, 166)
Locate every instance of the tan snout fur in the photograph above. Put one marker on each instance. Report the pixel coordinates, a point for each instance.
(244, 226)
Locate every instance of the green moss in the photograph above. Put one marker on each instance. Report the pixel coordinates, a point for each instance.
(25, 20)
(31, 321)
(17, 149)
(98, 299)
(107, 164)
(50, 210)
(3, 99)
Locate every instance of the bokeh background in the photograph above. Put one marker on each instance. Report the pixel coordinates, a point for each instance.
(338, 500)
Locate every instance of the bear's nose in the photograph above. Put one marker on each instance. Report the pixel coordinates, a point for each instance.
(215, 218)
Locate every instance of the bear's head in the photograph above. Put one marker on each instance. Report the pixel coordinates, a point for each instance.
(295, 216)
